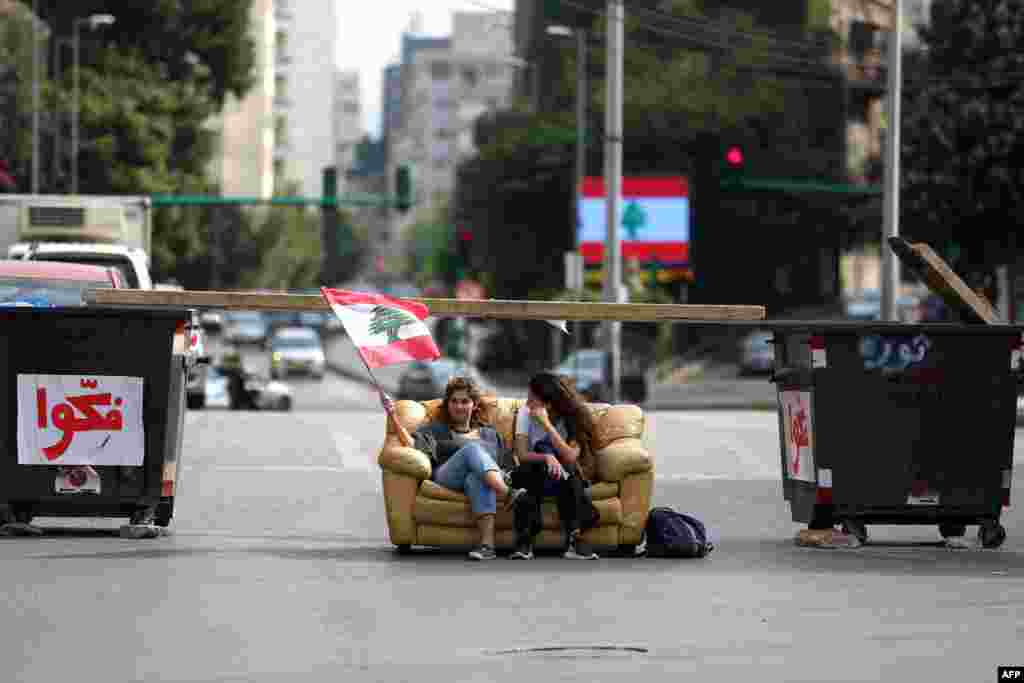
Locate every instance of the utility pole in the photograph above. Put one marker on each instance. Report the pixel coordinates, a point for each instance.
(615, 17)
(891, 205)
(582, 94)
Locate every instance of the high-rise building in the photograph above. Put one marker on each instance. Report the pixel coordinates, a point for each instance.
(446, 83)
(243, 161)
(304, 100)
(391, 102)
(348, 119)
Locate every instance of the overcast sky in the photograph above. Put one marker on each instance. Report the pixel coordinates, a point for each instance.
(370, 37)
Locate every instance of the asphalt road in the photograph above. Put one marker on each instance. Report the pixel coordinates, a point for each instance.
(278, 568)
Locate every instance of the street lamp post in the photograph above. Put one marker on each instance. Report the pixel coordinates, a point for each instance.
(582, 92)
(35, 96)
(58, 111)
(93, 21)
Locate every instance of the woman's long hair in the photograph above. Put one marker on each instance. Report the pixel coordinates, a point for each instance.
(558, 392)
(470, 387)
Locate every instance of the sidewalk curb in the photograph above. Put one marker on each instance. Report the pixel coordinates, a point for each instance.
(347, 373)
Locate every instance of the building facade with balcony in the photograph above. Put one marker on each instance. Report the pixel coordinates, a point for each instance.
(304, 102)
(348, 120)
(243, 161)
(446, 84)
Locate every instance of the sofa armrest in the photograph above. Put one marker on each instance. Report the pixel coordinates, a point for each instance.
(622, 458)
(405, 460)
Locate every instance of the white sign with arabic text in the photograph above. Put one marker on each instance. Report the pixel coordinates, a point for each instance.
(798, 435)
(80, 420)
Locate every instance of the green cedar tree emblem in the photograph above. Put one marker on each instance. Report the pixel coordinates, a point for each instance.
(389, 321)
(634, 218)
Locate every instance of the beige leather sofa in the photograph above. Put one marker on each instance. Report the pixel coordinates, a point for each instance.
(421, 512)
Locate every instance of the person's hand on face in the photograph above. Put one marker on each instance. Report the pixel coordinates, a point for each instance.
(538, 411)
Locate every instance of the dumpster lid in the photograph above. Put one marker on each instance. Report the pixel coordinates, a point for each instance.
(155, 313)
(922, 260)
(882, 327)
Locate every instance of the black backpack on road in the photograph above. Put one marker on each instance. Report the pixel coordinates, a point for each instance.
(673, 534)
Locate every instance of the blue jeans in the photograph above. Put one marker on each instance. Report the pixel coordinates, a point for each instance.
(465, 471)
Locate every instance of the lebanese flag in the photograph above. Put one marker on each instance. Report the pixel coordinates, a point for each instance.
(385, 330)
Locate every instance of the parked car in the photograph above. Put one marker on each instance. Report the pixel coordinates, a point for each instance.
(52, 283)
(246, 327)
(756, 353)
(868, 306)
(212, 321)
(297, 350)
(589, 370)
(424, 381)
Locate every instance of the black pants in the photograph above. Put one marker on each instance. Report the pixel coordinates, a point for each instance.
(574, 507)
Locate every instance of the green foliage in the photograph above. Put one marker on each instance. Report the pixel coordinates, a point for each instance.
(962, 139)
(150, 84)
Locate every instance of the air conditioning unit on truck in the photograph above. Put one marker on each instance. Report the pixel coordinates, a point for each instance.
(113, 231)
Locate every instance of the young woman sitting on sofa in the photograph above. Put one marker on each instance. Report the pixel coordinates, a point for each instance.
(466, 456)
(553, 436)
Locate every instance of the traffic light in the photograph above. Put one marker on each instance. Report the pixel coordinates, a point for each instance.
(464, 245)
(733, 164)
(403, 188)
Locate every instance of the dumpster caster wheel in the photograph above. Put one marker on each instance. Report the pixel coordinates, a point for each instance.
(403, 549)
(857, 529)
(952, 530)
(991, 534)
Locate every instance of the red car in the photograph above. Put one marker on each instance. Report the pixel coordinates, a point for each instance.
(52, 283)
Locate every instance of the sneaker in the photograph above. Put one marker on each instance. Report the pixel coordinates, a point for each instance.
(513, 497)
(482, 552)
(578, 550)
(523, 551)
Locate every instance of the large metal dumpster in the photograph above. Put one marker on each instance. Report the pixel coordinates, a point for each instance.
(887, 423)
(93, 410)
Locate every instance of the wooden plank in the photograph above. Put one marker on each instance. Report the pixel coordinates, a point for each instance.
(941, 280)
(470, 308)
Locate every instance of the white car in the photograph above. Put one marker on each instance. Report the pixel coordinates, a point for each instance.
(297, 349)
(133, 263)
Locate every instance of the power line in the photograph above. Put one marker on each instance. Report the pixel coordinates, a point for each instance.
(703, 40)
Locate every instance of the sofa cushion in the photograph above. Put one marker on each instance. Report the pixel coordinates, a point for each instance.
(431, 489)
(446, 512)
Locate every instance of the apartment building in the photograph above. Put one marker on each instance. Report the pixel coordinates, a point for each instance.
(243, 160)
(304, 101)
(348, 124)
(391, 102)
(446, 83)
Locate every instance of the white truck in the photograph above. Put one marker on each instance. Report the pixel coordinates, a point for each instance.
(107, 230)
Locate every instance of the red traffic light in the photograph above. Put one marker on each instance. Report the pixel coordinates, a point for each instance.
(465, 235)
(734, 156)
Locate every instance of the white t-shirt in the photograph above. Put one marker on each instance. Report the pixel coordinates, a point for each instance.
(533, 431)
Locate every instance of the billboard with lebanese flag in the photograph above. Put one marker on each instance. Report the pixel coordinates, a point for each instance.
(654, 223)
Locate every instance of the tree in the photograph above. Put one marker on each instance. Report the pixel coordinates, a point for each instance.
(962, 140)
(150, 84)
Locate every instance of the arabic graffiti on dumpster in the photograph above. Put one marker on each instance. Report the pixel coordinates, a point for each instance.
(73, 420)
(798, 435)
(893, 354)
